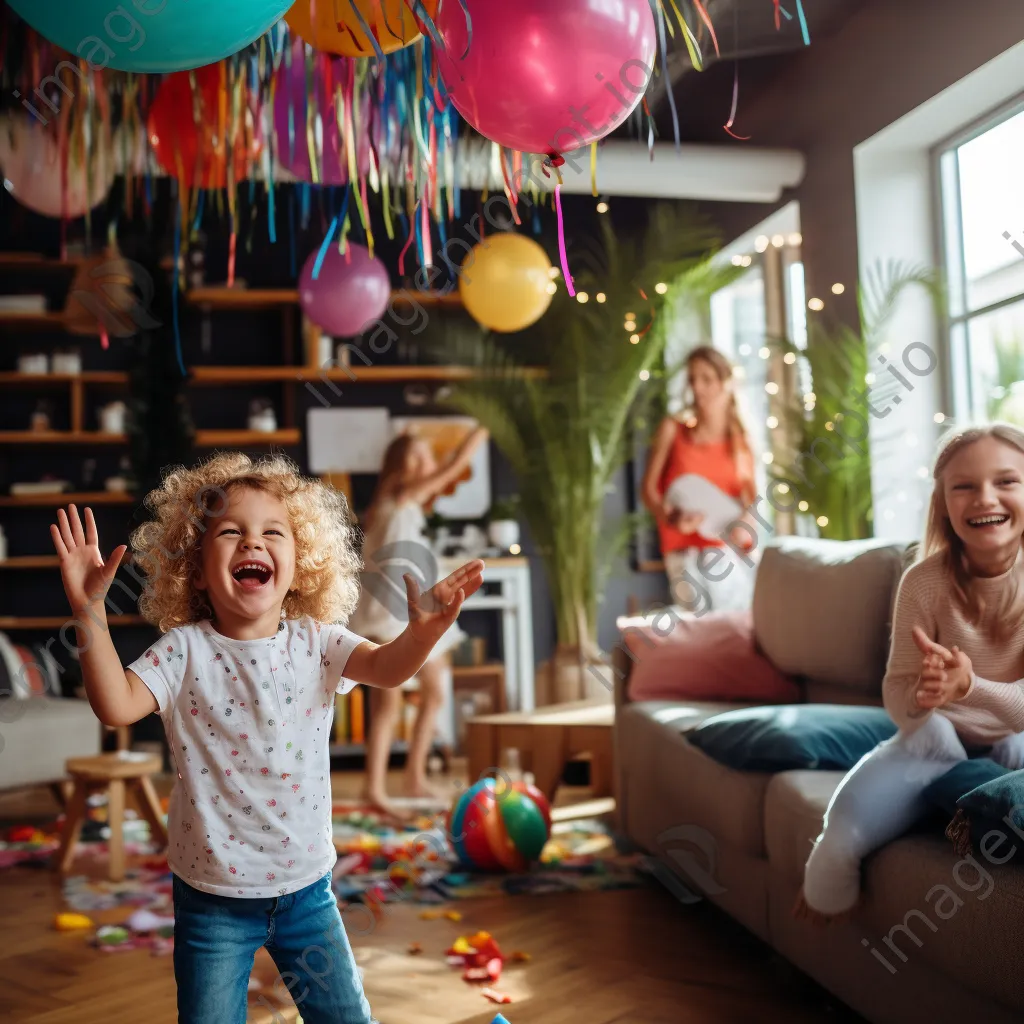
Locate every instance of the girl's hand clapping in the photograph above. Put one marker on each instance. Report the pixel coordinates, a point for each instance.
(946, 676)
(431, 614)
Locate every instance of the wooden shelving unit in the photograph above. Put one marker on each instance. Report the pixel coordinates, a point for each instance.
(225, 376)
(79, 498)
(31, 562)
(247, 438)
(60, 437)
(14, 379)
(34, 261)
(9, 623)
(32, 321)
(270, 298)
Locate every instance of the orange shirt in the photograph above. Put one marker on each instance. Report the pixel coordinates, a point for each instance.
(716, 463)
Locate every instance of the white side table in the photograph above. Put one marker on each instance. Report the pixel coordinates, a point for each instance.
(511, 576)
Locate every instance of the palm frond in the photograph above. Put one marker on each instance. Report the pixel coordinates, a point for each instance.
(566, 432)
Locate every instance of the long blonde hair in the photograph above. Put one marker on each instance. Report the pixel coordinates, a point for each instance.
(940, 537)
(326, 583)
(736, 429)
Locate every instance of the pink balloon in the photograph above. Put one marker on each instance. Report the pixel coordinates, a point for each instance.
(351, 292)
(32, 169)
(547, 76)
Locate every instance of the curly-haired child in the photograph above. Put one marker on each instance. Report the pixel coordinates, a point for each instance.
(250, 568)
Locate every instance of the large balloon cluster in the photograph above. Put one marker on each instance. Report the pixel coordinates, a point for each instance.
(360, 95)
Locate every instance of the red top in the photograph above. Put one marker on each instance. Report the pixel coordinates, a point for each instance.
(713, 461)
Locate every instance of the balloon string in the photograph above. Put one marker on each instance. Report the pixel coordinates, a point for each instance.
(428, 252)
(707, 21)
(104, 338)
(367, 31)
(176, 283)
(405, 249)
(593, 168)
(561, 241)
(232, 249)
(803, 23)
(322, 255)
(668, 78)
(735, 100)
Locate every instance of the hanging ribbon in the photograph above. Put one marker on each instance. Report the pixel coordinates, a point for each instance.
(593, 168)
(175, 285)
(668, 78)
(321, 256)
(735, 100)
(370, 34)
(561, 241)
(707, 21)
(803, 23)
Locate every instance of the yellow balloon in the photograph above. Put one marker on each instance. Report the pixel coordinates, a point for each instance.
(338, 29)
(504, 282)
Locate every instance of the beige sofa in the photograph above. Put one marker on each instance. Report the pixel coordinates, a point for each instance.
(822, 613)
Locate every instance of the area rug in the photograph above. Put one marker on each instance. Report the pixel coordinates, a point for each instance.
(382, 863)
(142, 887)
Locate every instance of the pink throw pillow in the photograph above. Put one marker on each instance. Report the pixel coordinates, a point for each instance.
(711, 657)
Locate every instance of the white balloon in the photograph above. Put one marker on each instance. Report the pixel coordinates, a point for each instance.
(30, 163)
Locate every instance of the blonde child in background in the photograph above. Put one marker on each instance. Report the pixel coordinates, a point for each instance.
(395, 523)
(250, 569)
(959, 610)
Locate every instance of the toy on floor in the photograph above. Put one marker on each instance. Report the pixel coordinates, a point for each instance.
(479, 954)
(496, 826)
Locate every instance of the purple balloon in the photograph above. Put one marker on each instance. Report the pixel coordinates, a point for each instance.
(291, 105)
(351, 292)
(553, 78)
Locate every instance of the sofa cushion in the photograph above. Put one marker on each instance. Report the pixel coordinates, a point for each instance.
(822, 609)
(651, 742)
(790, 736)
(794, 808)
(960, 780)
(991, 816)
(710, 657)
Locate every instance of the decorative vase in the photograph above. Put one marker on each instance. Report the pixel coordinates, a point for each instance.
(571, 675)
(503, 533)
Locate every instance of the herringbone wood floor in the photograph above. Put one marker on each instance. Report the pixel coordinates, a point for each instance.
(632, 957)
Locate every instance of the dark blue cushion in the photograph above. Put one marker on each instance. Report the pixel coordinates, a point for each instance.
(787, 736)
(946, 790)
(996, 806)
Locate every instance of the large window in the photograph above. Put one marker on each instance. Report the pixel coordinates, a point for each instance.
(983, 234)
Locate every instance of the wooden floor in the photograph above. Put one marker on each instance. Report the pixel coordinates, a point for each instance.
(628, 957)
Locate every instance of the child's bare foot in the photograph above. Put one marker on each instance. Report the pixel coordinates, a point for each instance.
(420, 789)
(803, 911)
(390, 810)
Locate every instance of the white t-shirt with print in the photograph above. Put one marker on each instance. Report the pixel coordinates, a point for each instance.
(248, 723)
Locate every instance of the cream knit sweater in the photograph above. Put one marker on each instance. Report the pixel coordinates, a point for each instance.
(994, 706)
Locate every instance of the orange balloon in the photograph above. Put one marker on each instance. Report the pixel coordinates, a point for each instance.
(338, 29)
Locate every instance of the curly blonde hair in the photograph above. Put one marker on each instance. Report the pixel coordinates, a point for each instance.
(326, 584)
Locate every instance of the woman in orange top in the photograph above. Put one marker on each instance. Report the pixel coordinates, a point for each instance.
(709, 441)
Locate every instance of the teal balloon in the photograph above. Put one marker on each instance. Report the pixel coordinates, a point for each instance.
(525, 824)
(151, 36)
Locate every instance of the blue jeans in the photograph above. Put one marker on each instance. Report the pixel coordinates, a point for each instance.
(215, 943)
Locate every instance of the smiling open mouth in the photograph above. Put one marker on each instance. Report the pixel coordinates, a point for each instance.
(987, 521)
(252, 575)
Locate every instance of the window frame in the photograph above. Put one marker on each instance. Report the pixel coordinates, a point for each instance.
(949, 255)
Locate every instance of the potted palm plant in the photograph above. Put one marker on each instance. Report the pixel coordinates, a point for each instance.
(566, 431)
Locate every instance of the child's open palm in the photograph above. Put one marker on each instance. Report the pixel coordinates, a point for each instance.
(433, 613)
(86, 575)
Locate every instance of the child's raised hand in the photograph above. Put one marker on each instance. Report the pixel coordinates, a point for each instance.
(945, 675)
(431, 614)
(87, 577)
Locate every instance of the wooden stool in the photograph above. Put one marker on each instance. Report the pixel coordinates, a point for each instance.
(111, 772)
